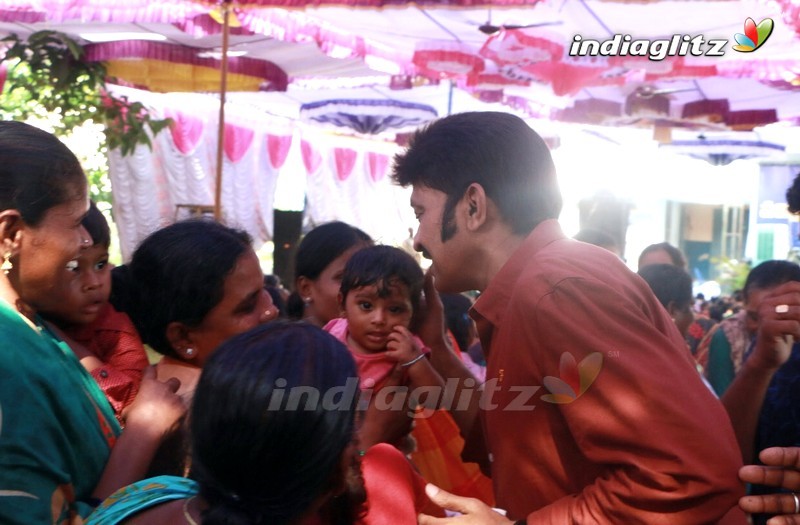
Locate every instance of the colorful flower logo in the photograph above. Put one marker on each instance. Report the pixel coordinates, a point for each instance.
(575, 378)
(754, 35)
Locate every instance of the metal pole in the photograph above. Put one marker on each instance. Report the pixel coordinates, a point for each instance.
(223, 87)
(450, 98)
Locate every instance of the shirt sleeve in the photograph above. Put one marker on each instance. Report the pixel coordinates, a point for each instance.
(124, 360)
(662, 440)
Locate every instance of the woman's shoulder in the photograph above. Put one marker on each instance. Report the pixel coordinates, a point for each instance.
(146, 499)
(385, 453)
(384, 464)
(395, 491)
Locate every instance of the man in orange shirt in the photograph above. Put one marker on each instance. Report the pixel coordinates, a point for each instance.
(592, 411)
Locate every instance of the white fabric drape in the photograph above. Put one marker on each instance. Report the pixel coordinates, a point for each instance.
(346, 178)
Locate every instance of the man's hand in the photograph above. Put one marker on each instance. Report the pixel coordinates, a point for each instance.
(429, 317)
(781, 469)
(473, 511)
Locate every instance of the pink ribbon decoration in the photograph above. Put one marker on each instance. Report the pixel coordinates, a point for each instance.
(278, 148)
(237, 141)
(186, 130)
(311, 159)
(345, 159)
(377, 164)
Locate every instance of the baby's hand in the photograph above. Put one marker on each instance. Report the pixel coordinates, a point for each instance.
(401, 346)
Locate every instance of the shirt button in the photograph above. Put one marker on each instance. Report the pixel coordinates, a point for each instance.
(103, 374)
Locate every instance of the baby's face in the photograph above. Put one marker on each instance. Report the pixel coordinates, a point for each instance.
(85, 290)
(371, 318)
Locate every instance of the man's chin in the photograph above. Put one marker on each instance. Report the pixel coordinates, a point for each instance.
(443, 285)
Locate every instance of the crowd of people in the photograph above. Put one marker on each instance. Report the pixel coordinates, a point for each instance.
(564, 388)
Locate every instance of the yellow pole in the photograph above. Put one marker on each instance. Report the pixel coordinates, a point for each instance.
(226, 13)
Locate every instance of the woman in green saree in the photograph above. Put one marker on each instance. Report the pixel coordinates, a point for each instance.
(61, 449)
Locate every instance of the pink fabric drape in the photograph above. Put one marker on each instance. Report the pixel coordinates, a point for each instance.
(311, 159)
(345, 159)
(278, 148)
(376, 164)
(237, 141)
(186, 131)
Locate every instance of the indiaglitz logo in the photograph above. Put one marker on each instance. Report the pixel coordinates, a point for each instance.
(754, 35)
(496, 393)
(575, 378)
(621, 45)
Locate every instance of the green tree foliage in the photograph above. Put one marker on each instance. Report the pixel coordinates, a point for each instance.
(48, 80)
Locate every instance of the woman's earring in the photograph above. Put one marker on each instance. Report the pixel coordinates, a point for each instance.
(307, 300)
(190, 352)
(7, 266)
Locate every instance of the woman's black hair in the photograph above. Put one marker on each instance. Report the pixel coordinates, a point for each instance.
(381, 266)
(272, 415)
(769, 274)
(97, 226)
(318, 249)
(669, 283)
(793, 195)
(177, 274)
(37, 171)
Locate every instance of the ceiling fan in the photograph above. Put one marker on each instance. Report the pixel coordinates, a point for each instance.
(488, 28)
(648, 91)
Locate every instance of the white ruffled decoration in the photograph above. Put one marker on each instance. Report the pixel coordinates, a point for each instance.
(148, 185)
(378, 207)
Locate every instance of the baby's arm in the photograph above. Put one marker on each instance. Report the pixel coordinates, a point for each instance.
(421, 373)
(87, 358)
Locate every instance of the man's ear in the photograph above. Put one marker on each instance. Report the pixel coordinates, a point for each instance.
(179, 337)
(475, 206)
(11, 224)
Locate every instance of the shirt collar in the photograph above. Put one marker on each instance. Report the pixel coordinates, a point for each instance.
(493, 301)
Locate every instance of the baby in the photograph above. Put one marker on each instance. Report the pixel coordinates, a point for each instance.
(104, 340)
(380, 291)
